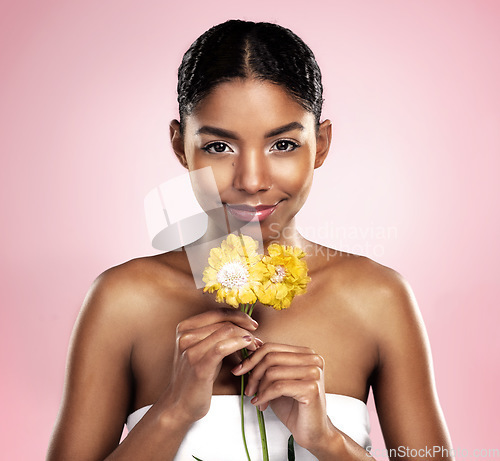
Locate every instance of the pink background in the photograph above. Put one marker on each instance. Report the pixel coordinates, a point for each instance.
(87, 89)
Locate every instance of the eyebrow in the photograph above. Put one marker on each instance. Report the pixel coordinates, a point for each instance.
(231, 135)
(284, 129)
(217, 132)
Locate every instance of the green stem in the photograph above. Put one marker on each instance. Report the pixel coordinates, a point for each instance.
(248, 309)
(263, 438)
(260, 416)
(244, 353)
(243, 417)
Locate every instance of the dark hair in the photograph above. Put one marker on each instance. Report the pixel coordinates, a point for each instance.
(243, 49)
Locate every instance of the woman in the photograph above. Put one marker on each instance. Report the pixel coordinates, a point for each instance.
(250, 98)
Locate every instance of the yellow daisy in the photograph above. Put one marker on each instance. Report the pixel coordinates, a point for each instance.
(284, 275)
(231, 271)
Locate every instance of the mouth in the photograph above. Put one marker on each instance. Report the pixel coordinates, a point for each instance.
(249, 213)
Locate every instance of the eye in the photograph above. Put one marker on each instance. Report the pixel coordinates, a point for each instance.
(217, 147)
(284, 145)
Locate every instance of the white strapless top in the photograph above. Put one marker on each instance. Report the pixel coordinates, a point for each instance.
(217, 436)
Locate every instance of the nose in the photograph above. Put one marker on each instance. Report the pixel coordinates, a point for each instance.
(251, 172)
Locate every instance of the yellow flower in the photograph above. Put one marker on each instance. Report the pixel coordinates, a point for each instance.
(231, 271)
(284, 275)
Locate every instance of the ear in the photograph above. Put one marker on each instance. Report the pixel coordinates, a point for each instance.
(323, 140)
(178, 142)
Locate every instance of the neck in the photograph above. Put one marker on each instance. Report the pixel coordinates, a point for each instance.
(289, 235)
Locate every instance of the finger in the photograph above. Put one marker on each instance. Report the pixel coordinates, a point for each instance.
(206, 362)
(307, 366)
(217, 316)
(272, 359)
(269, 349)
(189, 338)
(282, 373)
(206, 355)
(303, 391)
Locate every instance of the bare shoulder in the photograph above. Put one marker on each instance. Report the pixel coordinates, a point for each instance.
(366, 278)
(125, 294)
(378, 295)
(143, 278)
(388, 297)
(165, 270)
(365, 274)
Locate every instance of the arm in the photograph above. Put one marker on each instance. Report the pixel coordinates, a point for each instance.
(99, 381)
(291, 379)
(403, 387)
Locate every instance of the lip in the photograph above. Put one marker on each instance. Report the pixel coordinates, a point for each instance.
(251, 213)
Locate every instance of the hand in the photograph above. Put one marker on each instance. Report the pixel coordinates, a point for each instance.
(290, 379)
(202, 342)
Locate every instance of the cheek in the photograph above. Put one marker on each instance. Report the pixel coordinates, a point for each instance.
(223, 174)
(300, 185)
(216, 178)
(295, 174)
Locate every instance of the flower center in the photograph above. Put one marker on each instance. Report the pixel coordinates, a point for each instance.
(279, 274)
(233, 275)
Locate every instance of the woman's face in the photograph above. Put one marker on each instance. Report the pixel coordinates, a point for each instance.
(262, 147)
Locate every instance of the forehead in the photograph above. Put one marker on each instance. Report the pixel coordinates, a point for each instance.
(248, 104)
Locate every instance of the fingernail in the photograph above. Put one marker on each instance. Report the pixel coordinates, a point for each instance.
(254, 322)
(254, 400)
(237, 368)
(259, 342)
(247, 338)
